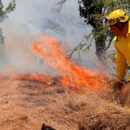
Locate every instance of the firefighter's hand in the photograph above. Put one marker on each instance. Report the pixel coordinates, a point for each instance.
(118, 85)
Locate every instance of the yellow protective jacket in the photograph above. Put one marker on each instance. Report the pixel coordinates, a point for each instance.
(122, 46)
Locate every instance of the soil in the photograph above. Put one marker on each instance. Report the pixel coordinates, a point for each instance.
(28, 104)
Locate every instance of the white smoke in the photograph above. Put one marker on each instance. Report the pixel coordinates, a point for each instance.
(33, 18)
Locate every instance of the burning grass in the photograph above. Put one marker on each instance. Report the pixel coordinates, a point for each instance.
(72, 76)
(39, 98)
(27, 104)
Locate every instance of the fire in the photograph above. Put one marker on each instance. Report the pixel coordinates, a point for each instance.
(39, 77)
(72, 76)
(33, 77)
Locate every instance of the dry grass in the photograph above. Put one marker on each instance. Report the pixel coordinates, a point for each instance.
(26, 105)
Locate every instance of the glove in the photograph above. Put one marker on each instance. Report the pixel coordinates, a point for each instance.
(118, 85)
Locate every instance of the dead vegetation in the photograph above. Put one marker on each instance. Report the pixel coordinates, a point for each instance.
(28, 104)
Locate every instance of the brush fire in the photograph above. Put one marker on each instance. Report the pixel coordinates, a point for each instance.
(71, 75)
(43, 102)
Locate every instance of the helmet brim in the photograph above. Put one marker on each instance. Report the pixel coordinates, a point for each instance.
(126, 17)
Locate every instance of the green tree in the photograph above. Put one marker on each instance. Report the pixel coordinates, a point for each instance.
(4, 15)
(94, 12)
(4, 11)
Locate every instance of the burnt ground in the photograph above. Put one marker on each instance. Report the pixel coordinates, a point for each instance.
(27, 104)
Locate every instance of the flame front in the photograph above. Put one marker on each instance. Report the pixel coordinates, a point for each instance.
(72, 76)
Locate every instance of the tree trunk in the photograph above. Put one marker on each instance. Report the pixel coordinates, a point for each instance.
(88, 10)
(100, 44)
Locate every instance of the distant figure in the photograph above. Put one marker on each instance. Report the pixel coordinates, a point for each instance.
(47, 127)
(119, 24)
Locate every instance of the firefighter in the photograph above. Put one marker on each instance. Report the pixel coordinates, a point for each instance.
(119, 24)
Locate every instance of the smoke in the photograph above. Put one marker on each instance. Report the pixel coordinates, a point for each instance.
(32, 19)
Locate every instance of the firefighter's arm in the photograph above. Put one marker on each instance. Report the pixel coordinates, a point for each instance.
(120, 65)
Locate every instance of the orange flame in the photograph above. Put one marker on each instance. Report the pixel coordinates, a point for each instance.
(72, 76)
(33, 77)
(39, 77)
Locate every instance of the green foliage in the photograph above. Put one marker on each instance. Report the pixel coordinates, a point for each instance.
(94, 13)
(10, 7)
(5, 11)
(3, 15)
(97, 9)
(83, 46)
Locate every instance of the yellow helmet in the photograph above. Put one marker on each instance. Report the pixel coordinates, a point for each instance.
(116, 16)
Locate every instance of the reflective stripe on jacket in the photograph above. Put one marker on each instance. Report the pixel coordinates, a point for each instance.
(122, 46)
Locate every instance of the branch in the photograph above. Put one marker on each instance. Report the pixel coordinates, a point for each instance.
(10, 7)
